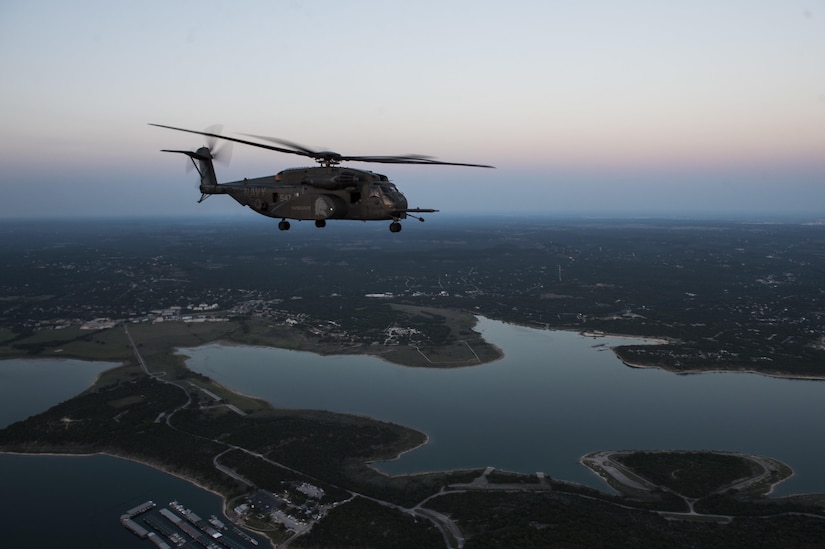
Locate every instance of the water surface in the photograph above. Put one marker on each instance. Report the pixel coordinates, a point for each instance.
(554, 397)
(32, 386)
(76, 501)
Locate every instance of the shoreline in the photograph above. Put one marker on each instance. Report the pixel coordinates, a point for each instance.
(648, 340)
(371, 465)
(363, 351)
(759, 459)
(159, 468)
(694, 371)
(360, 350)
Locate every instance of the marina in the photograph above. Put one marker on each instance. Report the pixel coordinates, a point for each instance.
(179, 526)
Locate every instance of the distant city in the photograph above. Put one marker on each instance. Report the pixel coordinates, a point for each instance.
(732, 294)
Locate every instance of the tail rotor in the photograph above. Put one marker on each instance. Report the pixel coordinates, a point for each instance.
(216, 149)
(221, 150)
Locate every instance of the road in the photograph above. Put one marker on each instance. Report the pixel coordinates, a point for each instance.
(448, 528)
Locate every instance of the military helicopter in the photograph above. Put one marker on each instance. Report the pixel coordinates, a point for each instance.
(318, 193)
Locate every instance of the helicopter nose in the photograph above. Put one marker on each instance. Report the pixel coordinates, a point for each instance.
(399, 203)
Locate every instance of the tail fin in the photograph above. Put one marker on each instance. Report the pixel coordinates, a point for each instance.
(202, 160)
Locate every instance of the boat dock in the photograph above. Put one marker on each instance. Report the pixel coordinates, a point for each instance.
(178, 526)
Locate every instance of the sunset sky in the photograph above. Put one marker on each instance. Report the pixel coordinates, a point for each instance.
(634, 107)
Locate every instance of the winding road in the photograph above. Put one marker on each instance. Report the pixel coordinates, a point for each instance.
(448, 528)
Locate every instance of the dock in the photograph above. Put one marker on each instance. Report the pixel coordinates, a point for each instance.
(178, 525)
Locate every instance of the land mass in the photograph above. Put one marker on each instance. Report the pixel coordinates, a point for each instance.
(699, 479)
(724, 297)
(156, 411)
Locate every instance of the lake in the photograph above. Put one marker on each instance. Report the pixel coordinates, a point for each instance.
(554, 397)
(74, 501)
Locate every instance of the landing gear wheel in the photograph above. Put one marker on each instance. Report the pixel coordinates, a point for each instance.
(395, 227)
(320, 223)
(283, 225)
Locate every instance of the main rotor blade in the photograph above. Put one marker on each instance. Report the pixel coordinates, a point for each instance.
(328, 156)
(292, 144)
(410, 160)
(405, 159)
(324, 157)
(242, 141)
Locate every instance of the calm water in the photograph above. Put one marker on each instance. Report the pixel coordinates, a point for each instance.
(554, 397)
(28, 387)
(74, 501)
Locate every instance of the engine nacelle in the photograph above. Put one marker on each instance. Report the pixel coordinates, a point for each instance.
(322, 177)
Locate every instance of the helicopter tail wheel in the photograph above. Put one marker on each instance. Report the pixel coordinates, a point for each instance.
(320, 223)
(283, 225)
(395, 227)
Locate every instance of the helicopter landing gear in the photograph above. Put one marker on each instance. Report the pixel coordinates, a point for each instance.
(395, 227)
(283, 225)
(320, 223)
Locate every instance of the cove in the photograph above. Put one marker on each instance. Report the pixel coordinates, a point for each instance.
(31, 386)
(78, 498)
(555, 396)
(76, 501)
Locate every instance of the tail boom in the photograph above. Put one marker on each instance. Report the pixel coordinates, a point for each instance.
(202, 160)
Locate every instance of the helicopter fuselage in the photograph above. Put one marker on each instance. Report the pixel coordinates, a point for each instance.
(318, 193)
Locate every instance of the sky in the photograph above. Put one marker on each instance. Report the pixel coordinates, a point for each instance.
(625, 108)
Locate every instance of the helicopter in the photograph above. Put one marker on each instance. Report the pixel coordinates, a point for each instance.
(318, 193)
